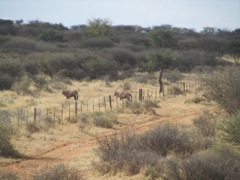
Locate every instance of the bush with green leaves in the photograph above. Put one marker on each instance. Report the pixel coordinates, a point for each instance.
(230, 129)
(51, 35)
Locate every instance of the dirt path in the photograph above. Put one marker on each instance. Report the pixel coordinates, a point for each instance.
(79, 153)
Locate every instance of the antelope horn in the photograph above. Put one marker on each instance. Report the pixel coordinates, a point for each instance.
(116, 89)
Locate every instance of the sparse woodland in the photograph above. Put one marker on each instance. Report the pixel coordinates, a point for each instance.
(38, 59)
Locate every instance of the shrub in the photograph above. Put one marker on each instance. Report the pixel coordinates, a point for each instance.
(144, 78)
(173, 76)
(230, 129)
(22, 85)
(51, 35)
(57, 172)
(129, 152)
(166, 138)
(206, 124)
(33, 127)
(224, 88)
(6, 81)
(123, 56)
(7, 175)
(174, 90)
(21, 45)
(6, 148)
(97, 42)
(196, 100)
(145, 107)
(105, 120)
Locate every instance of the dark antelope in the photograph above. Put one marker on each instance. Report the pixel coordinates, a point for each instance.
(69, 94)
(123, 95)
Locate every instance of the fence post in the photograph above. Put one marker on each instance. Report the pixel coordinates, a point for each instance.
(18, 118)
(75, 108)
(27, 117)
(99, 104)
(87, 105)
(140, 94)
(35, 114)
(81, 106)
(62, 112)
(104, 101)
(117, 101)
(54, 113)
(110, 101)
(69, 110)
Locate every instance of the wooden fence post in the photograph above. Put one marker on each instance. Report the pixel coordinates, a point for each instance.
(104, 101)
(99, 104)
(81, 106)
(35, 114)
(62, 113)
(75, 108)
(27, 117)
(117, 101)
(54, 109)
(69, 110)
(140, 94)
(110, 101)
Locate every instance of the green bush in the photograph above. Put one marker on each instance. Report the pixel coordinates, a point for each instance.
(51, 35)
(230, 129)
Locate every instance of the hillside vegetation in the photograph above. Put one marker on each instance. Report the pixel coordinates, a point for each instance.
(36, 50)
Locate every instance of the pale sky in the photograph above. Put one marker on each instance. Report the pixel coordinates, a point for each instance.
(194, 14)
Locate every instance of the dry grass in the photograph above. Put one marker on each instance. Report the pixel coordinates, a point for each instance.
(75, 147)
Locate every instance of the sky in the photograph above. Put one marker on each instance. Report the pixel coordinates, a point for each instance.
(193, 14)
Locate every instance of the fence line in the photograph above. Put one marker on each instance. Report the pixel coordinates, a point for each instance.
(69, 110)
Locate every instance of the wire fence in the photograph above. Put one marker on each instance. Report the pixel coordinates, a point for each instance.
(71, 108)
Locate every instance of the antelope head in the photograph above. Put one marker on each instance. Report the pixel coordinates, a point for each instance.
(115, 93)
